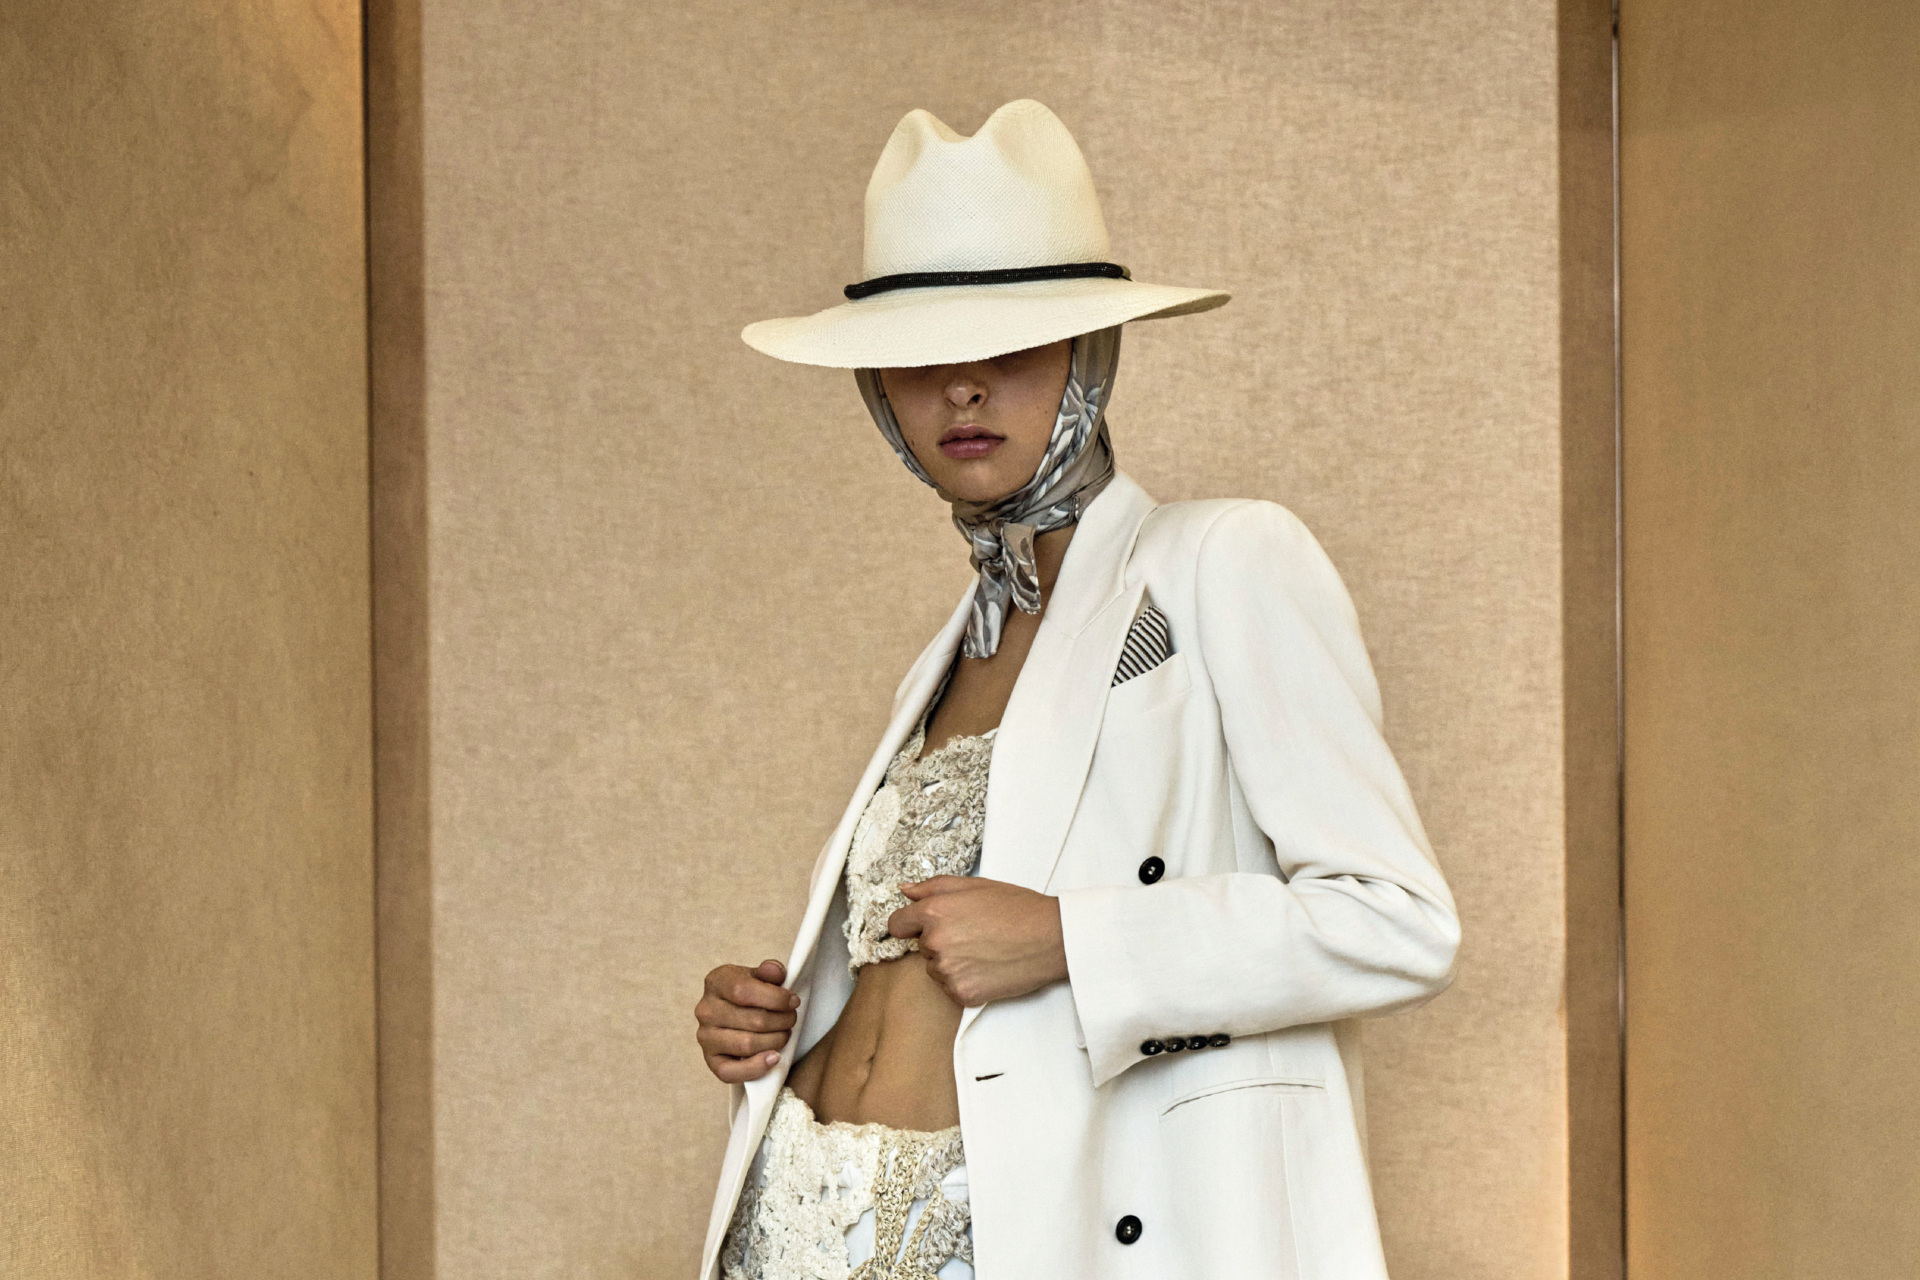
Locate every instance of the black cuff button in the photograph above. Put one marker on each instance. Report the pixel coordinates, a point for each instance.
(1175, 1044)
(1219, 1039)
(1151, 1047)
(1127, 1230)
(1151, 870)
(1196, 1042)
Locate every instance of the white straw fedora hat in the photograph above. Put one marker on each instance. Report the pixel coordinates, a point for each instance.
(976, 247)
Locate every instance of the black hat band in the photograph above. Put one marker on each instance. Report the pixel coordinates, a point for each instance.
(1009, 275)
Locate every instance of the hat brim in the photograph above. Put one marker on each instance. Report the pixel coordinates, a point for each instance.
(957, 323)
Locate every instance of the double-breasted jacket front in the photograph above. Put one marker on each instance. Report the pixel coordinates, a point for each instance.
(1239, 866)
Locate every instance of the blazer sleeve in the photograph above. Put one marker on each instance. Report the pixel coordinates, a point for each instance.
(1360, 920)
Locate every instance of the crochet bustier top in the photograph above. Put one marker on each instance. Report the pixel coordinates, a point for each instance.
(924, 821)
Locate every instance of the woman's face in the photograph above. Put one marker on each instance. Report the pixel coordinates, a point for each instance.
(981, 428)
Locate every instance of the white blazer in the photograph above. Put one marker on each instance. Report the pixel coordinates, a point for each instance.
(1299, 894)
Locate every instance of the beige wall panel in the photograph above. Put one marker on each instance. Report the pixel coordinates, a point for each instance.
(673, 583)
(1772, 457)
(186, 969)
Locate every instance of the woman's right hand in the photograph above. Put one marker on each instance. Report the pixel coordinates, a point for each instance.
(744, 1019)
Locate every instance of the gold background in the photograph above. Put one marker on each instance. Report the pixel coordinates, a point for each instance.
(186, 963)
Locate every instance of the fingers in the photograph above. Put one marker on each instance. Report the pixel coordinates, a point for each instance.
(746, 988)
(950, 984)
(745, 1016)
(712, 1011)
(741, 1070)
(933, 887)
(911, 921)
(728, 1043)
(907, 922)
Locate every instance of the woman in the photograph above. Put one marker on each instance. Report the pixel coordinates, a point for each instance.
(1076, 988)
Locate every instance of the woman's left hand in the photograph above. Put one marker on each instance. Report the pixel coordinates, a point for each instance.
(984, 940)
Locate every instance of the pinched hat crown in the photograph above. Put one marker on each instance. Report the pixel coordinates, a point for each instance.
(1015, 194)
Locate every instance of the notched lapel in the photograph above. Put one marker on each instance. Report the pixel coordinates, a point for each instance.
(1046, 743)
(1052, 721)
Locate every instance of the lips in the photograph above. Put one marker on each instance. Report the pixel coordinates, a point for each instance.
(969, 440)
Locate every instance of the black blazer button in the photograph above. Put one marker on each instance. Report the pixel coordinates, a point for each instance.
(1196, 1042)
(1219, 1039)
(1175, 1044)
(1127, 1230)
(1151, 870)
(1151, 1047)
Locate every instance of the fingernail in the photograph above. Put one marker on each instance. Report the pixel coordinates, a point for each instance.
(773, 1059)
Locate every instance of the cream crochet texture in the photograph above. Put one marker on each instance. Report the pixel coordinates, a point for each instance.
(816, 1180)
(925, 821)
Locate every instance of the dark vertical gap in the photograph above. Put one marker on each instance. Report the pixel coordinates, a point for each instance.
(373, 718)
(396, 443)
(373, 648)
(1619, 645)
(1590, 473)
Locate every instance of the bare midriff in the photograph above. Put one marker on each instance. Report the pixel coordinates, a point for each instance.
(889, 1059)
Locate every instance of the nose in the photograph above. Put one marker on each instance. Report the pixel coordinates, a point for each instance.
(965, 388)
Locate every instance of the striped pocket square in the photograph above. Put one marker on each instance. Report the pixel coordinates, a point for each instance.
(1149, 643)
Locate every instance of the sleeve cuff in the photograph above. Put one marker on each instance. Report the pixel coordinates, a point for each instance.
(1091, 933)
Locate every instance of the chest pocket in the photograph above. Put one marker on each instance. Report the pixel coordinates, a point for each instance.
(1149, 643)
(1134, 804)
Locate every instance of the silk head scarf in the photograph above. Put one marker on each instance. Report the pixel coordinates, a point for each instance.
(1077, 465)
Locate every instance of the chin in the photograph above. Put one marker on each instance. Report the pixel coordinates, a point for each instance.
(979, 490)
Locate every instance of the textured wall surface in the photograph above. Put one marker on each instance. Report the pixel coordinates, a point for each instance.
(1772, 455)
(186, 928)
(671, 583)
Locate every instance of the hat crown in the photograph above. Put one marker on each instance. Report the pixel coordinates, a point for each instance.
(1016, 194)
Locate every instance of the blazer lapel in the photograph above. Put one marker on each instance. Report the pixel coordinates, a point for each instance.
(1052, 721)
(1046, 742)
